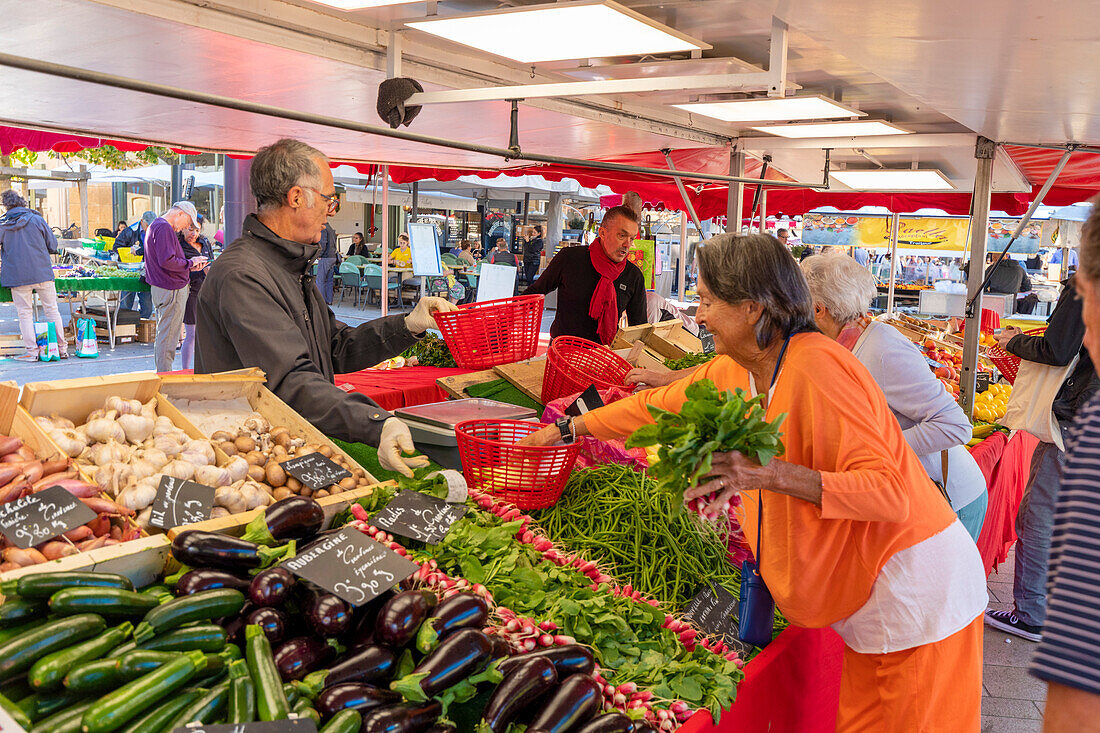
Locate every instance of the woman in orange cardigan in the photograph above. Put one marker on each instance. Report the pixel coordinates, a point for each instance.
(855, 535)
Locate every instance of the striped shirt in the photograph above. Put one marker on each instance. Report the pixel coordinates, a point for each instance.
(1070, 647)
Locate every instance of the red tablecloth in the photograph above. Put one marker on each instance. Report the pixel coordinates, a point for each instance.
(1006, 463)
(793, 685)
(393, 388)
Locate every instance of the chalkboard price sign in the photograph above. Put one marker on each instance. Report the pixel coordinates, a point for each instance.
(419, 516)
(352, 566)
(315, 471)
(42, 516)
(296, 725)
(713, 611)
(180, 502)
(708, 340)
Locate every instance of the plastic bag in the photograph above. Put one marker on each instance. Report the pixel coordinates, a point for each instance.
(46, 336)
(86, 345)
(596, 452)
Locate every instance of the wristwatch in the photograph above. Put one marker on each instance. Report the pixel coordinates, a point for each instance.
(565, 426)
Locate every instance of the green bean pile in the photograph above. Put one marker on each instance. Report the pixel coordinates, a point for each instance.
(617, 517)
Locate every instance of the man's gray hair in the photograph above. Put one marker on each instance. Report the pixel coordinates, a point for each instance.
(280, 167)
(10, 199)
(841, 284)
(757, 267)
(149, 217)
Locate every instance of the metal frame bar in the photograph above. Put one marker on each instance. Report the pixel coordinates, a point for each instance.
(895, 222)
(683, 192)
(36, 174)
(217, 100)
(984, 151)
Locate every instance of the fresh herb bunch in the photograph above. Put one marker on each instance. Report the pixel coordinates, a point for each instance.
(689, 360)
(431, 351)
(708, 421)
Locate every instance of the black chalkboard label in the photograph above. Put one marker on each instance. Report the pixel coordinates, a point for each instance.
(180, 502)
(351, 565)
(419, 517)
(297, 725)
(589, 400)
(42, 516)
(981, 382)
(713, 611)
(708, 340)
(315, 471)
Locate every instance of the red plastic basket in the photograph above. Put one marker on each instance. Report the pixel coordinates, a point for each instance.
(482, 335)
(1008, 364)
(573, 364)
(528, 476)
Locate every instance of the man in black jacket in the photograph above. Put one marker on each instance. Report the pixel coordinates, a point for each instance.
(260, 307)
(1056, 347)
(532, 253)
(1008, 277)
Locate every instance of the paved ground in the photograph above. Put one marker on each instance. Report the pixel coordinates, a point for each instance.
(1013, 700)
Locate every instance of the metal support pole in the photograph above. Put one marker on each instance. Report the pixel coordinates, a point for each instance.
(385, 183)
(979, 231)
(239, 202)
(526, 206)
(682, 262)
(735, 193)
(415, 201)
(82, 188)
(683, 192)
(895, 220)
(763, 211)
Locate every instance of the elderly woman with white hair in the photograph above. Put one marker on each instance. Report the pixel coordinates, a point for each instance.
(933, 424)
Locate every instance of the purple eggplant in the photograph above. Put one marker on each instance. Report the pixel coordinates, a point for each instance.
(208, 549)
(610, 723)
(407, 717)
(273, 622)
(328, 615)
(300, 656)
(354, 695)
(573, 704)
(517, 690)
(402, 615)
(368, 664)
(568, 659)
(270, 587)
(208, 579)
(501, 649)
(462, 654)
(292, 518)
(363, 620)
(234, 625)
(460, 611)
(442, 727)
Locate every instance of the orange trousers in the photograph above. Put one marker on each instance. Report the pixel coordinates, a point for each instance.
(927, 689)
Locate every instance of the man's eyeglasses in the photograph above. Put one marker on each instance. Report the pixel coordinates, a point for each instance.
(333, 200)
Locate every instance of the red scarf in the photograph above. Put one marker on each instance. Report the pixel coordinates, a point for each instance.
(604, 306)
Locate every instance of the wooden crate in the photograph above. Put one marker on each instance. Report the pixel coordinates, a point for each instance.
(235, 524)
(141, 560)
(146, 330)
(247, 383)
(11, 345)
(76, 398)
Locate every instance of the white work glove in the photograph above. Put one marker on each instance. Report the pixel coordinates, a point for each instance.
(420, 319)
(396, 440)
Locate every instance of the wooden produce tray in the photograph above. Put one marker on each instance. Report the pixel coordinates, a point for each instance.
(141, 560)
(526, 376)
(665, 340)
(11, 345)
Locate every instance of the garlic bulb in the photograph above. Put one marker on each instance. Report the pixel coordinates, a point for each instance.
(105, 428)
(69, 441)
(141, 468)
(103, 454)
(169, 444)
(138, 496)
(213, 476)
(249, 495)
(123, 406)
(158, 458)
(199, 452)
(96, 414)
(219, 511)
(136, 427)
(165, 426)
(145, 518)
(113, 477)
(180, 469)
(237, 468)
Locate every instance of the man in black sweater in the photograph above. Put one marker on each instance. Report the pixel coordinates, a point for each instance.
(573, 273)
(532, 253)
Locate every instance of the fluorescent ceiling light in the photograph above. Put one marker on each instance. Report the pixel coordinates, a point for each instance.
(361, 4)
(894, 180)
(855, 128)
(772, 110)
(560, 31)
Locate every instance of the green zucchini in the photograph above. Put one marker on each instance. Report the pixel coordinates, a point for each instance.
(66, 721)
(18, 654)
(159, 591)
(271, 703)
(113, 602)
(206, 709)
(142, 661)
(44, 585)
(202, 606)
(15, 712)
(49, 671)
(117, 708)
(90, 678)
(15, 690)
(304, 709)
(15, 611)
(232, 652)
(157, 719)
(242, 694)
(203, 638)
(13, 631)
(292, 693)
(43, 704)
(345, 721)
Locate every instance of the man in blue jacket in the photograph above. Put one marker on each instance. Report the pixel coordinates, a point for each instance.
(133, 237)
(26, 243)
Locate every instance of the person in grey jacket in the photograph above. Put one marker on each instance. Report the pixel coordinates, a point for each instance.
(26, 243)
(931, 421)
(260, 307)
(327, 261)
